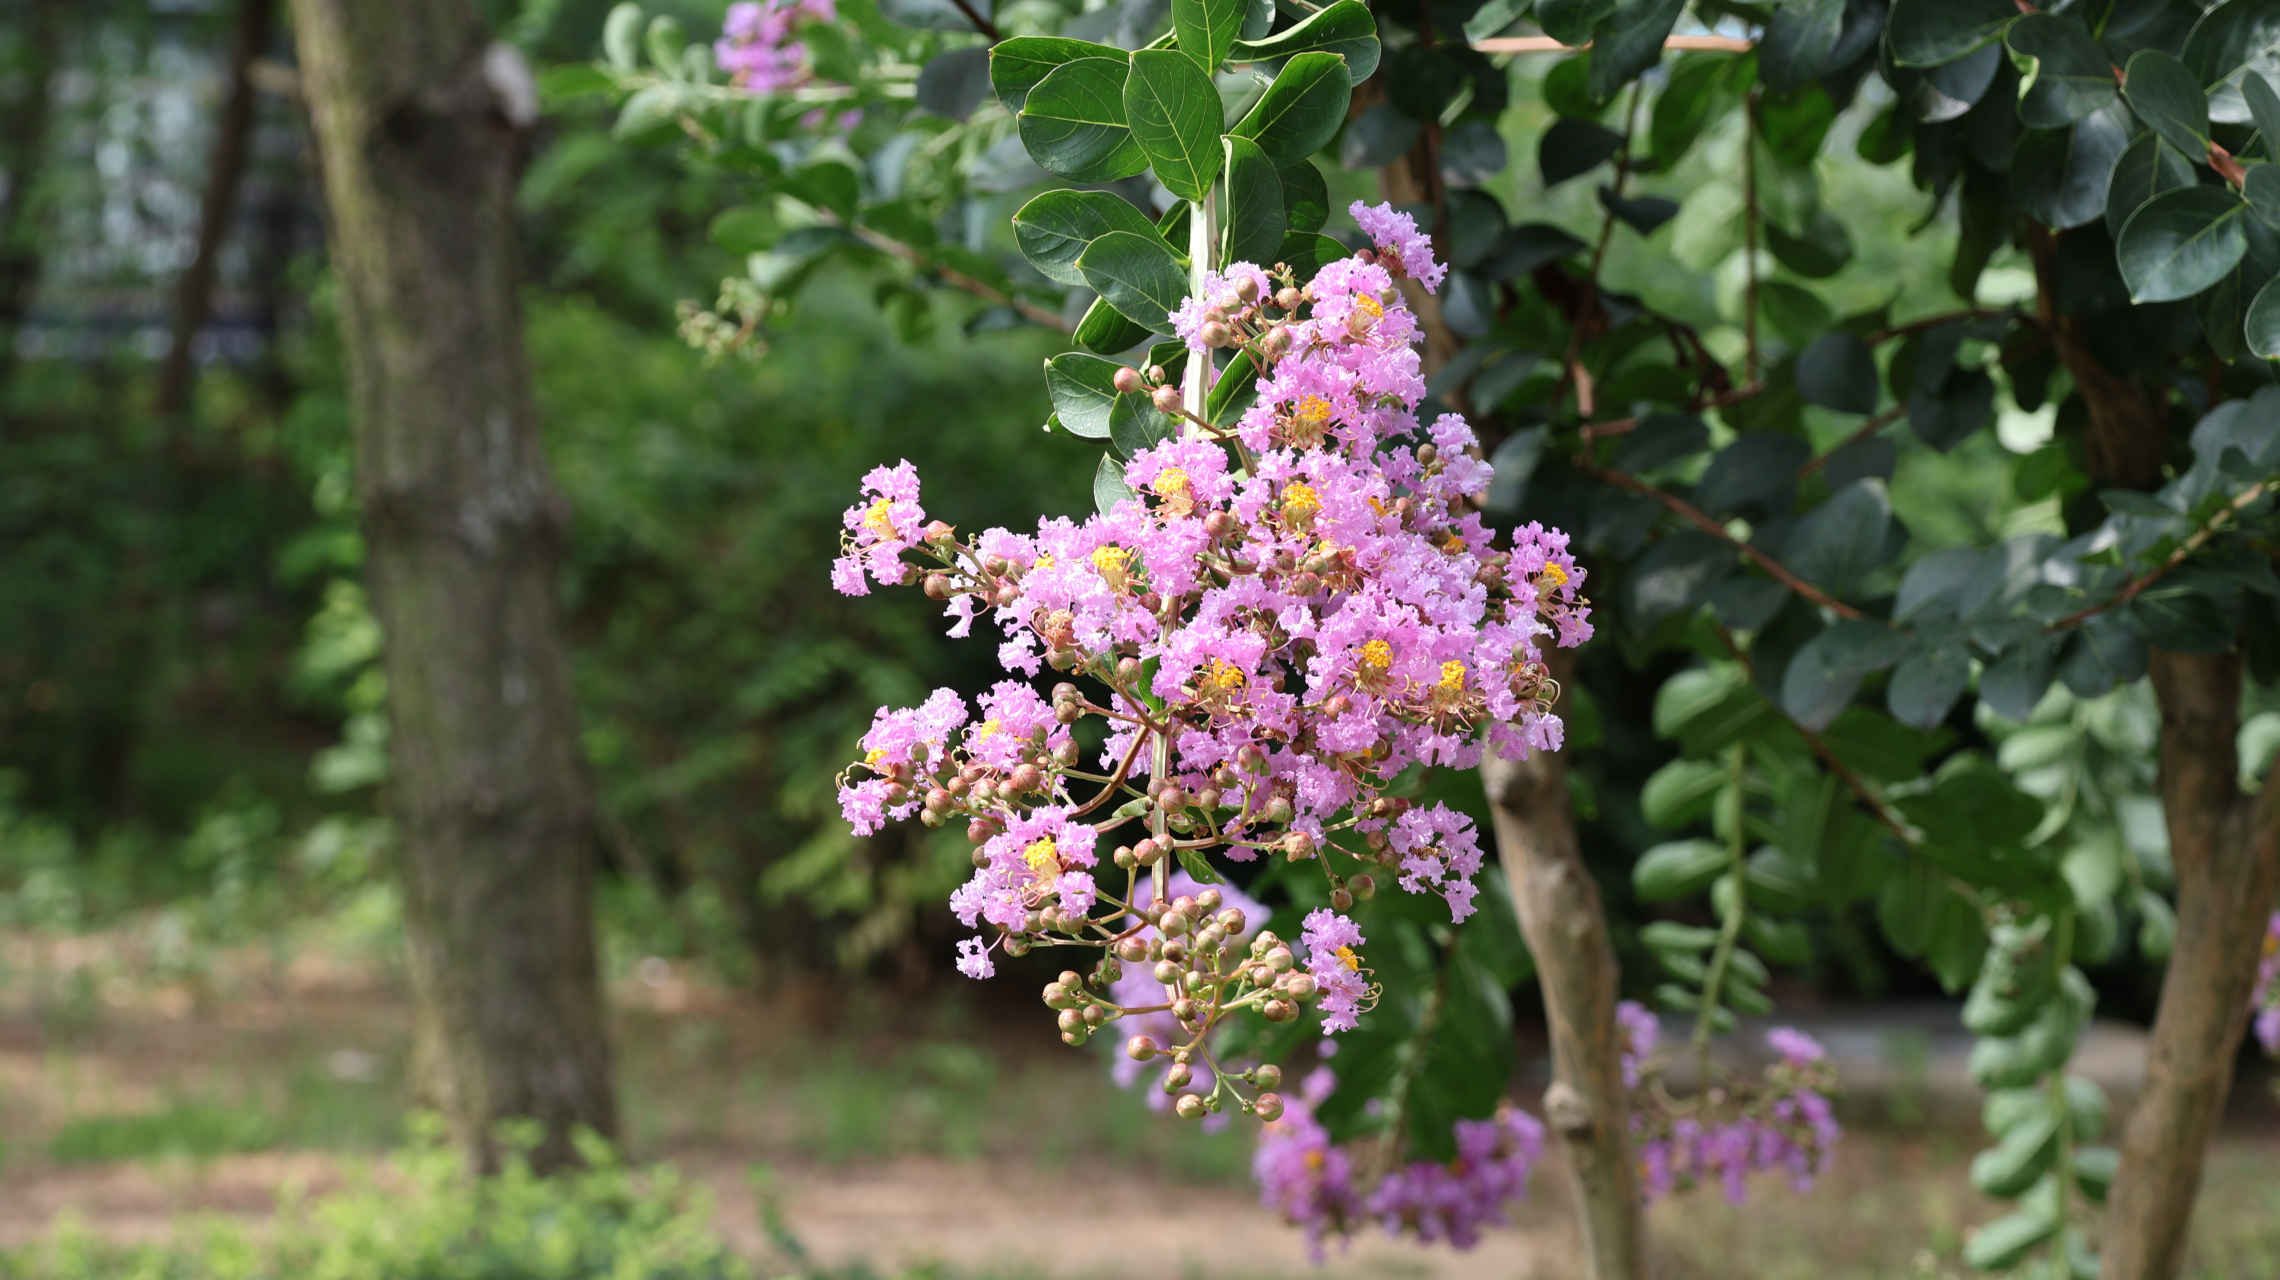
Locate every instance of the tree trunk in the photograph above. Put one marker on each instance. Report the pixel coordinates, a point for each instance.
(417, 116)
(24, 131)
(1588, 1105)
(2227, 850)
(225, 173)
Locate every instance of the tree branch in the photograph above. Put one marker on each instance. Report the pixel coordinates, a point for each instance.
(2200, 538)
(958, 279)
(1702, 521)
(981, 24)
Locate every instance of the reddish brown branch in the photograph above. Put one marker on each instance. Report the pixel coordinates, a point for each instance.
(2200, 538)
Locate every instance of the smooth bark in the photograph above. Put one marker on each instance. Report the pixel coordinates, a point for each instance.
(225, 175)
(417, 118)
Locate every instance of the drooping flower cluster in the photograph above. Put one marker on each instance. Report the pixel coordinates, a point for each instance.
(1785, 1120)
(1289, 611)
(1314, 1184)
(756, 47)
(2266, 1001)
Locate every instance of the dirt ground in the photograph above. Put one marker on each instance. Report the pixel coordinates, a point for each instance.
(128, 1104)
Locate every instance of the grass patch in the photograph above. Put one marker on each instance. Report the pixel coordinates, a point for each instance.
(193, 1130)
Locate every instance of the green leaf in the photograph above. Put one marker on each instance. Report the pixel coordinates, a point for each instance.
(2011, 1166)
(2062, 177)
(1055, 228)
(1207, 30)
(1135, 423)
(2264, 108)
(1926, 33)
(1706, 711)
(1679, 869)
(1104, 329)
(1084, 392)
(1073, 122)
(1108, 485)
(954, 83)
(1571, 21)
(2147, 168)
(1798, 42)
(1839, 542)
(1925, 686)
(1820, 251)
(2176, 617)
(2072, 76)
(1137, 275)
(2006, 1242)
(1306, 196)
(621, 37)
(1236, 390)
(1680, 792)
(1174, 114)
(2169, 99)
(2262, 189)
(2231, 40)
(826, 184)
(1628, 41)
(1700, 89)
(1838, 372)
(1252, 222)
(1795, 312)
(2180, 242)
(1301, 111)
(1345, 28)
(1306, 252)
(1572, 147)
(1496, 18)
(1017, 65)
(2263, 322)
(1876, 747)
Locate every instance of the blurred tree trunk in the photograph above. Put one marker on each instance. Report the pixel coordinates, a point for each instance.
(225, 174)
(1561, 915)
(417, 117)
(24, 132)
(2226, 848)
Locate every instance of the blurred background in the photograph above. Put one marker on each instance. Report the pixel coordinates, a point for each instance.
(202, 998)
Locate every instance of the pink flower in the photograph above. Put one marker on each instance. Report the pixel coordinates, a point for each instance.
(1399, 244)
(1333, 956)
(756, 48)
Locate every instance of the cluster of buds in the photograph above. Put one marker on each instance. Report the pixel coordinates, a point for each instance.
(1783, 1120)
(1277, 626)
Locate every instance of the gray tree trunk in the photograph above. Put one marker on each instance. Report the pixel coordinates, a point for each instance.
(417, 117)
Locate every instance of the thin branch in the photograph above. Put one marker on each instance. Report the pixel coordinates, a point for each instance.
(1624, 426)
(1935, 321)
(981, 24)
(1545, 44)
(959, 279)
(1701, 520)
(1867, 429)
(2185, 549)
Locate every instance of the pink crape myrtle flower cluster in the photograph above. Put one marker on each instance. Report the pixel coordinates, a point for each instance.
(2266, 1001)
(756, 46)
(1786, 1120)
(1287, 613)
(1315, 1185)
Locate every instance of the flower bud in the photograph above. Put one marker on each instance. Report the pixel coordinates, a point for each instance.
(1301, 986)
(1127, 379)
(1175, 924)
(1124, 860)
(1298, 844)
(1148, 853)
(1067, 713)
(1231, 922)
(938, 799)
(1155, 373)
(1175, 950)
(1177, 1078)
(1269, 1107)
(1190, 1106)
(1094, 1016)
(1065, 754)
(1140, 1048)
(936, 531)
(1288, 298)
(1016, 945)
(938, 586)
(1280, 811)
(1132, 950)
(1364, 887)
(1276, 343)
(1247, 288)
(1338, 705)
(1208, 900)
(1166, 399)
(1127, 670)
(1215, 334)
(1278, 1010)
(1185, 1009)
(1269, 1077)
(1220, 525)
(1167, 971)
(1172, 798)
(1026, 778)
(1210, 937)
(1071, 1020)
(1305, 584)
(1058, 997)
(1340, 900)
(1279, 959)
(897, 793)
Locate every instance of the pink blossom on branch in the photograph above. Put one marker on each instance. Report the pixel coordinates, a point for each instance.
(756, 47)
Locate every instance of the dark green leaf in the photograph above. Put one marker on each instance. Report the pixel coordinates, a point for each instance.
(2263, 322)
(1820, 252)
(1472, 153)
(1073, 122)
(1876, 747)
(1815, 687)
(1839, 542)
(826, 184)
(1084, 392)
(1137, 275)
(1925, 686)
(2015, 682)
(1173, 111)
(1345, 28)
(1679, 869)
(1700, 88)
(2072, 76)
(2177, 618)
(1676, 575)
(1793, 125)
(1757, 469)
(1306, 197)
(955, 83)
(1963, 404)
(1926, 33)
(1236, 390)
(1571, 21)
(1056, 227)
(1104, 329)
(1377, 138)
(1134, 423)
(2148, 167)
(1838, 372)
(2233, 39)
(746, 228)
(1207, 29)
(1526, 247)
(1947, 91)
(1306, 252)
(1567, 88)
(1496, 18)
(1642, 214)
(2169, 99)
(1301, 110)
(2263, 103)
(1018, 64)
(2062, 177)
(1795, 312)
(2181, 242)
(2263, 192)
(1108, 485)
(1573, 147)
(1706, 711)
(1628, 41)
(1253, 222)
(1798, 42)
(1680, 792)
(1662, 439)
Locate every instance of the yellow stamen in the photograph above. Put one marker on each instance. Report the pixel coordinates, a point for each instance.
(872, 757)
(1553, 575)
(880, 518)
(1044, 561)
(988, 730)
(1300, 501)
(1171, 482)
(1111, 561)
(1371, 305)
(1452, 677)
(1347, 957)
(1223, 674)
(1377, 657)
(1044, 860)
(1314, 411)
(1314, 1159)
